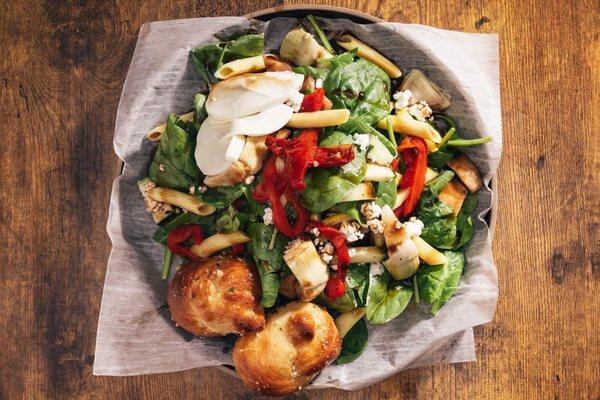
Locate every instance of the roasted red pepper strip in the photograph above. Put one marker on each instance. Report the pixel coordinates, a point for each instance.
(414, 153)
(302, 153)
(336, 285)
(177, 238)
(313, 101)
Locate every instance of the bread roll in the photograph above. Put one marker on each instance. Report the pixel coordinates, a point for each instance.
(298, 341)
(217, 296)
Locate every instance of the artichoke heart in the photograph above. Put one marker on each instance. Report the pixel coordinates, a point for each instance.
(301, 48)
(403, 254)
(308, 268)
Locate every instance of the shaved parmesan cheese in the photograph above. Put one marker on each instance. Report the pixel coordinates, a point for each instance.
(216, 150)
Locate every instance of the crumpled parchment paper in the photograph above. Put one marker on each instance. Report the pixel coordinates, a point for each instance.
(135, 332)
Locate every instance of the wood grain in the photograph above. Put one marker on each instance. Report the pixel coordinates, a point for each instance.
(62, 70)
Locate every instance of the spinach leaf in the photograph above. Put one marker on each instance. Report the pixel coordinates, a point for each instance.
(245, 46)
(354, 343)
(438, 159)
(440, 223)
(206, 222)
(252, 207)
(325, 187)
(437, 284)
(200, 113)
(440, 233)
(221, 197)
(344, 303)
(228, 221)
(208, 58)
(355, 170)
(464, 222)
(386, 193)
(386, 300)
(269, 262)
(174, 164)
(315, 72)
(342, 59)
(351, 208)
(357, 279)
(361, 87)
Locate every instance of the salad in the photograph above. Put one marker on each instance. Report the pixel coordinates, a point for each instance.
(321, 185)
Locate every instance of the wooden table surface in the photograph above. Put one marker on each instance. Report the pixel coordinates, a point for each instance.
(62, 69)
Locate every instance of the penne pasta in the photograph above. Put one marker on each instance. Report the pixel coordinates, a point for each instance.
(363, 191)
(368, 53)
(241, 66)
(366, 254)
(401, 196)
(403, 122)
(154, 135)
(347, 320)
(337, 219)
(319, 119)
(378, 173)
(428, 253)
(180, 199)
(218, 242)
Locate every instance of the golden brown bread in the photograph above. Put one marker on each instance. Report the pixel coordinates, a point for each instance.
(298, 341)
(217, 296)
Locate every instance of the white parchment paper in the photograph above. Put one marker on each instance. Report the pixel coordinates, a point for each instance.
(135, 333)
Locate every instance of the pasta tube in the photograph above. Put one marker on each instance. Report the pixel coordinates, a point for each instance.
(403, 122)
(401, 196)
(319, 119)
(241, 66)
(336, 219)
(378, 173)
(366, 254)
(363, 191)
(180, 199)
(428, 253)
(154, 135)
(347, 320)
(368, 53)
(218, 242)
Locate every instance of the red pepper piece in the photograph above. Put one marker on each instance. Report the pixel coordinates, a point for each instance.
(414, 153)
(313, 101)
(238, 249)
(335, 287)
(394, 164)
(328, 157)
(177, 238)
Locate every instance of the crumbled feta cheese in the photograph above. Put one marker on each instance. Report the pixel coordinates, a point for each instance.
(202, 189)
(326, 257)
(315, 164)
(370, 210)
(362, 141)
(413, 227)
(192, 189)
(334, 267)
(268, 217)
(375, 225)
(295, 101)
(161, 167)
(352, 231)
(319, 83)
(376, 269)
(315, 231)
(402, 99)
(249, 179)
(420, 111)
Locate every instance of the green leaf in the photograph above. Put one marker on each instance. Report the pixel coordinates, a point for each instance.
(206, 60)
(360, 86)
(174, 165)
(246, 46)
(344, 303)
(437, 184)
(200, 113)
(386, 300)
(221, 197)
(437, 284)
(268, 261)
(386, 193)
(352, 209)
(228, 222)
(438, 159)
(354, 343)
(324, 189)
(357, 279)
(315, 72)
(355, 170)
(464, 223)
